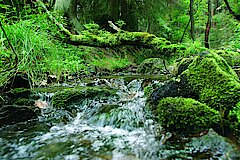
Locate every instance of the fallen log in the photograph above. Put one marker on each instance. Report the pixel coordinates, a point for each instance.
(102, 38)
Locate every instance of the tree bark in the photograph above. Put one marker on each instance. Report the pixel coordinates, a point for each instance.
(214, 11)
(69, 7)
(192, 20)
(114, 9)
(185, 30)
(128, 15)
(208, 25)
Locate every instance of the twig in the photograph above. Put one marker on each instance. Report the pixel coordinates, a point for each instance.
(111, 24)
(10, 44)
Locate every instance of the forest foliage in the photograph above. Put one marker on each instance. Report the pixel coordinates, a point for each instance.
(41, 47)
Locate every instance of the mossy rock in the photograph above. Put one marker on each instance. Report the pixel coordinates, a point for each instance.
(183, 65)
(75, 95)
(24, 101)
(19, 93)
(185, 115)
(232, 58)
(234, 118)
(12, 114)
(214, 81)
(151, 66)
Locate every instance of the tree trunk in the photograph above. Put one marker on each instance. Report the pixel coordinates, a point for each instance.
(128, 16)
(192, 20)
(208, 25)
(214, 11)
(114, 11)
(69, 7)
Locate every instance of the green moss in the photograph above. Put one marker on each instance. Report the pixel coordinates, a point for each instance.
(144, 39)
(185, 115)
(234, 117)
(214, 81)
(111, 63)
(76, 95)
(222, 63)
(232, 58)
(20, 92)
(150, 66)
(48, 89)
(23, 101)
(148, 90)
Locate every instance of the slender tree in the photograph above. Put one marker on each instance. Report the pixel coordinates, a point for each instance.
(192, 19)
(114, 10)
(208, 25)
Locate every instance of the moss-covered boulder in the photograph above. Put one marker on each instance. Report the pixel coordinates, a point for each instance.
(234, 118)
(172, 88)
(185, 115)
(75, 95)
(182, 65)
(232, 58)
(151, 66)
(214, 81)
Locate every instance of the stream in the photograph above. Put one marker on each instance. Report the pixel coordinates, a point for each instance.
(106, 128)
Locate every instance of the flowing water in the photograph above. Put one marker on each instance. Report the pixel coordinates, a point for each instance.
(117, 128)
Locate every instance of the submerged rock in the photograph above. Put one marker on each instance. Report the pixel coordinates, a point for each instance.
(212, 146)
(76, 95)
(185, 115)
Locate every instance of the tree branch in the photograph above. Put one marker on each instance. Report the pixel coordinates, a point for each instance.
(236, 16)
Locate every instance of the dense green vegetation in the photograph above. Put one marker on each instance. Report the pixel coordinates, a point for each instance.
(40, 47)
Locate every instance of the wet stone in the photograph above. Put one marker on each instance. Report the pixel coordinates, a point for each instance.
(11, 114)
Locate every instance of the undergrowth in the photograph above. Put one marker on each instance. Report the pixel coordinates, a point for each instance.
(40, 50)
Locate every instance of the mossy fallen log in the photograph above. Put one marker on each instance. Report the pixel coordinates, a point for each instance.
(142, 39)
(101, 38)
